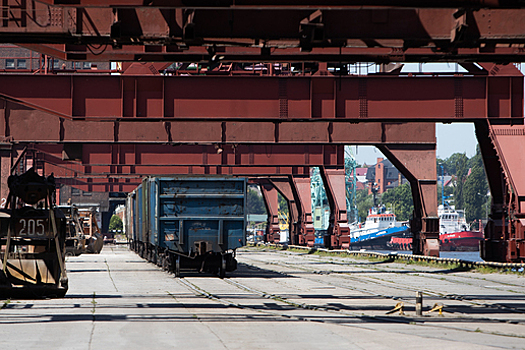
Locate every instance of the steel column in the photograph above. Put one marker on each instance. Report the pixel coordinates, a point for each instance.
(418, 165)
(335, 187)
(271, 201)
(304, 195)
(503, 150)
(286, 188)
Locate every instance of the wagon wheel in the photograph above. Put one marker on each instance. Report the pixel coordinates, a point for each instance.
(177, 266)
(222, 268)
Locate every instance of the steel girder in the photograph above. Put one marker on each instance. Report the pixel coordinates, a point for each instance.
(348, 54)
(120, 167)
(290, 4)
(245, 110)
(164, 33)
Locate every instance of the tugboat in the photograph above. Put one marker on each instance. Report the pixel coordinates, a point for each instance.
(377, 230)
(454, 233)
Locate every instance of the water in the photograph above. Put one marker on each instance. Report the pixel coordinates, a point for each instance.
(467, 256)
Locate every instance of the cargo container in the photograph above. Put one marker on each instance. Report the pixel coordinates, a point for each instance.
(192, 222)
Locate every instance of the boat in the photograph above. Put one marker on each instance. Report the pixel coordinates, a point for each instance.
(377, 230)
(454, 233)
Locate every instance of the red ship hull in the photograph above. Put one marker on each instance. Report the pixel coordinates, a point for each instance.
(455, 241)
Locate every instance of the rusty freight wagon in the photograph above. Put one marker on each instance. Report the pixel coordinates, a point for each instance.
(194, 222)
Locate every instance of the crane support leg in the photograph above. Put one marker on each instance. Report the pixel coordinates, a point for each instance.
(271, 202)
(285, 187)
(304, 193)
(417, 162)
(503, 151)
(338, 230)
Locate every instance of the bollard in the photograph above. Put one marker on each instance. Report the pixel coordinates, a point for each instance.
(419, 303)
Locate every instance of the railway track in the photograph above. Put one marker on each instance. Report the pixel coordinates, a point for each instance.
(398, 284)
(300, 293)
(256, 300)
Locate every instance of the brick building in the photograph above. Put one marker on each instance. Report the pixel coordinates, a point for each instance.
(384, 176)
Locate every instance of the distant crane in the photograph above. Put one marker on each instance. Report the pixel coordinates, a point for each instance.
(319, 199)
(351, 185)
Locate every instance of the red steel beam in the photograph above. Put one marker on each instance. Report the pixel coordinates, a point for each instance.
(236, 110)
(308, 4)
(151, 158)
(266, 29)
(200, 54)
(120, 168)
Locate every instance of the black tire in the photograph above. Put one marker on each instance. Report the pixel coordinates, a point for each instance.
(176, 268)
(222, 267)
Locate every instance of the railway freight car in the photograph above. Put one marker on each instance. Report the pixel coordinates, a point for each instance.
(194, 222)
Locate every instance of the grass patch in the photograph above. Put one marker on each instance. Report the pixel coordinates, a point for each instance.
(488, 269)
(493, 269)
(5, 303)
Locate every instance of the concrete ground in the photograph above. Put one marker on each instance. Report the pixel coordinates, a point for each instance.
(275, 300)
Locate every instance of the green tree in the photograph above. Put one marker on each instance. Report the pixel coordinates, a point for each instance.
(400, 200)
(450, 164)
(364, 202)
(462, 168)
(255, 202)
(475, 190)
(115, 223)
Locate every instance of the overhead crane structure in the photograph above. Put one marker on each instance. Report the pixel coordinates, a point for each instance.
(105, 132)
(336, 31)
